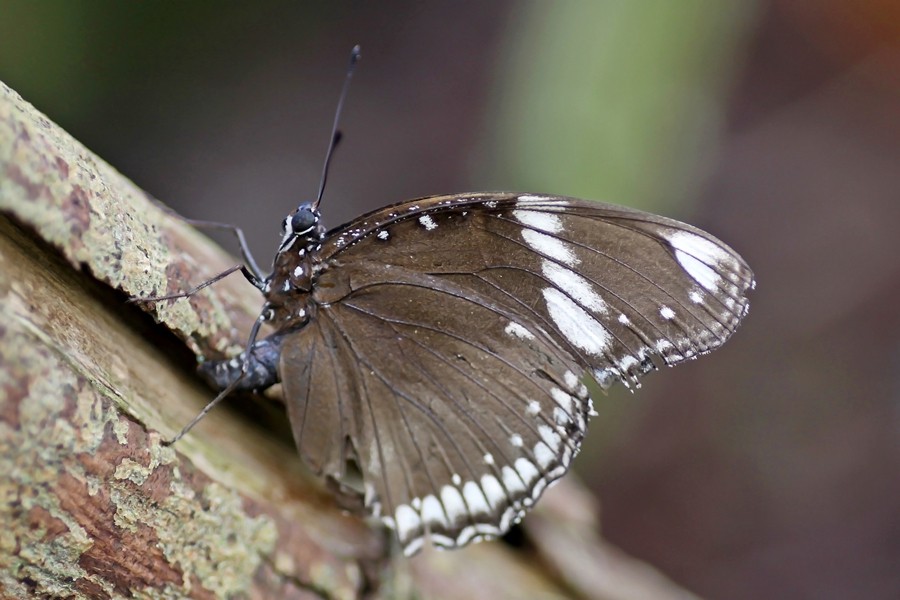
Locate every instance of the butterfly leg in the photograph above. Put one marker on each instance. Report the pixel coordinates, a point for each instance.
(257, 283)
(253, 369)
(242, 243)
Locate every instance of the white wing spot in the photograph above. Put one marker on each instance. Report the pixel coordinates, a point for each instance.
(525, 199)
(466, 535)
(512, 481)
(544, 455)
(574, 285)
(623, 319)
(666, 313)
(427, 222)
(517, 330)
(545, 203)
(699, 247)
(534, 407)
(696, 297)
(549, 246)
(298, 271)
(488, 459)
(456, 479)
(516, 440)
(475, 498)
(571, 380)
(696, 254)
(383, 234)
(407, 520)
(550, 437)
(579, 327)
(432, 511)
(493, 491)
(663, 345)
(453, 502)
(563, 399)
(627, 362)
(548, 223)
(413, 546)
(526, 470)
(700, 271)
(539, 240)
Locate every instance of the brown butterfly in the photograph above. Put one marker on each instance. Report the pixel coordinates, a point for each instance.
(442, 344)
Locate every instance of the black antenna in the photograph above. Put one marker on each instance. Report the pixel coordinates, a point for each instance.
(335, 134)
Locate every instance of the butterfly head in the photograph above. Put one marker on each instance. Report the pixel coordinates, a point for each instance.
(301, 223)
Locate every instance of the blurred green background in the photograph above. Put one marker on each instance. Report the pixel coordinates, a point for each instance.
(768, 469)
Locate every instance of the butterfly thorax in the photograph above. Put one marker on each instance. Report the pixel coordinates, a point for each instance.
(288, 289)
(289, 306)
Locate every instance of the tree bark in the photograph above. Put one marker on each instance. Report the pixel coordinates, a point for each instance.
(94, 506)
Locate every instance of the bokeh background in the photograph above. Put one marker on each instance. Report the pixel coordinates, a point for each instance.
(768, 469)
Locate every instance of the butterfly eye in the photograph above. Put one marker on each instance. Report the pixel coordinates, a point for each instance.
(303, 220)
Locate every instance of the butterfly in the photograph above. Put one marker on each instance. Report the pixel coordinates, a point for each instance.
(442, 346)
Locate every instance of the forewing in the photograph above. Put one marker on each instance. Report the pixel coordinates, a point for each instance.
(615, 286)
(464, 325)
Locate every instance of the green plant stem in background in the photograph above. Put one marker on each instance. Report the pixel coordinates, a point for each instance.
(614, 100)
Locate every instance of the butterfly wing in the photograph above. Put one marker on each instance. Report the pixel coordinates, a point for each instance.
(452, 334)
(456, 431)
